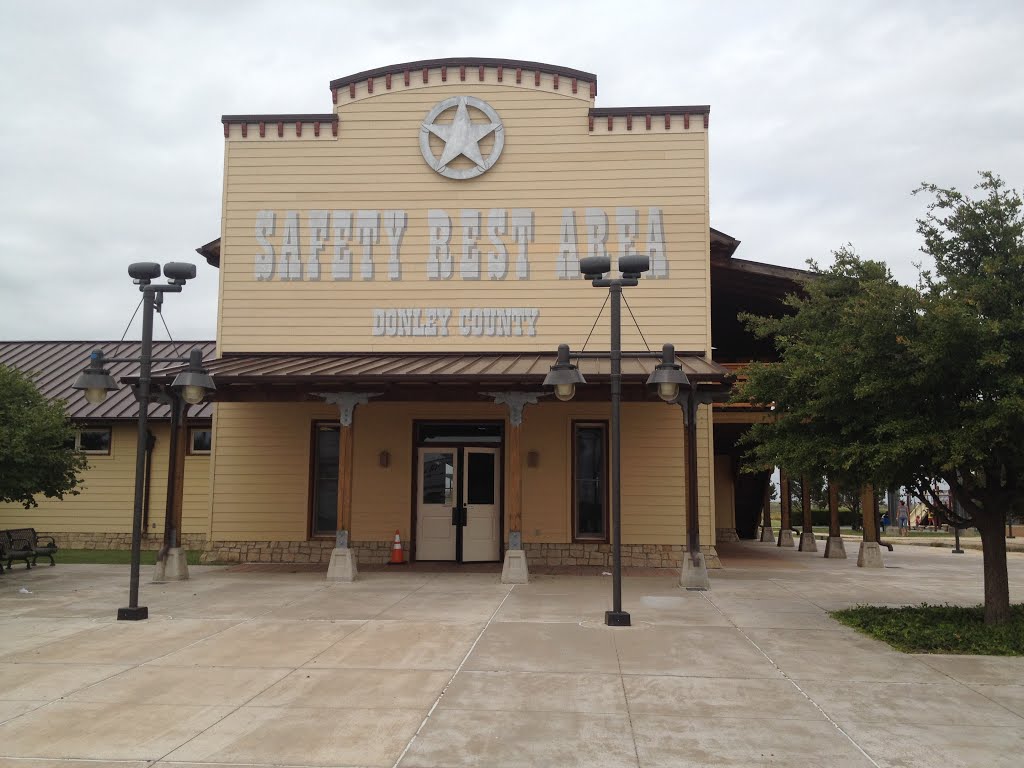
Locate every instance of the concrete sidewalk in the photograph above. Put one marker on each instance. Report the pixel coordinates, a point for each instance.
(445, 670)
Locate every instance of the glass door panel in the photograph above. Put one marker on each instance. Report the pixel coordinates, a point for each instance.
(481, 539)
(436, 515)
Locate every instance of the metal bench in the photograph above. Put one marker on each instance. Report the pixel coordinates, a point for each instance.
(25, 544)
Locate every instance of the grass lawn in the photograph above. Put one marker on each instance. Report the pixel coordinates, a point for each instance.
(938, 629)
(111, 556)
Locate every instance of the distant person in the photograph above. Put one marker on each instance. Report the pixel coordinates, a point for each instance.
(885, 521)
(903, 519)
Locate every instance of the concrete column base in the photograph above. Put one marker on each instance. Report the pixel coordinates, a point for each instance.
(785, 537)
(694, 575)
(767, 534)
(835, 548)
(174, 566)
(807, 542)
(343, 565)
(870, 556)
(514, 570)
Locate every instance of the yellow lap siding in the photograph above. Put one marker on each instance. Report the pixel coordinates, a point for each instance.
(107, 499)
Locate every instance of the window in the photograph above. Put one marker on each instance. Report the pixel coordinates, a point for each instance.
(325, 480)
(93, 440)
(590, 486)
(199, 440)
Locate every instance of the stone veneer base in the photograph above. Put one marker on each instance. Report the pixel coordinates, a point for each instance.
(379, 552)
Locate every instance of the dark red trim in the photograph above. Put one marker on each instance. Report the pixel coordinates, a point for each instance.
(700, 109)
(463, 62)
(280, 129)
(555, 80)
(462, 73)
(387, 81)
(245, 130)
(298, 128)
(238, 119)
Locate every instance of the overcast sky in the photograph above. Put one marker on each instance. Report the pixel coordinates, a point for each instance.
(824, 117)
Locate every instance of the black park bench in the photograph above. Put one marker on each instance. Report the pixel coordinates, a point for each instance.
(24, 544)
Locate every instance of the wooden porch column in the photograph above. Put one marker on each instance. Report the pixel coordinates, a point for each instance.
(785, 524)
(766, 512)
(343, 561)
(515, 482)
(869, 556)
(807, 542)
(514, 569)
(171, 561)
(346, 441)
(834, 547)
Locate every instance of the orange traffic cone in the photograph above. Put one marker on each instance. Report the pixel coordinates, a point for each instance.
(397, 556)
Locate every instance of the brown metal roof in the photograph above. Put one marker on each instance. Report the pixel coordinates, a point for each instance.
(54, 365)
(300, 375)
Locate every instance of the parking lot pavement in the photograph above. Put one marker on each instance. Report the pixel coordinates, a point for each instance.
(438, 670)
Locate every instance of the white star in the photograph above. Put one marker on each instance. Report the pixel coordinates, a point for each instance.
(461, 137)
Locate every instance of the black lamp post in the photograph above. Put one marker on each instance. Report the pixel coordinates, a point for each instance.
(564, 377)
(96, 381)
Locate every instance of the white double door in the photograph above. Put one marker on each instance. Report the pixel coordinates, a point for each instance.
(458, 504)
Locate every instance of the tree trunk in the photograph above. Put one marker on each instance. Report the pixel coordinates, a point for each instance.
(997, 584)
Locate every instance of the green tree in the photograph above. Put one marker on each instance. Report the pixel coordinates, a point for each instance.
(894, 385)
(36, 443)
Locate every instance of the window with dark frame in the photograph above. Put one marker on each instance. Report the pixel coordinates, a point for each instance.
(200, 440)
(326, 449)
(590, 486)
(93, 440)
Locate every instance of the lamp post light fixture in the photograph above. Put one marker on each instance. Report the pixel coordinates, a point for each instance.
(95, 381)
(564, 376)
(668, 375)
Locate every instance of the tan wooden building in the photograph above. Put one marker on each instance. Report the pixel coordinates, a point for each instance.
(396, 274)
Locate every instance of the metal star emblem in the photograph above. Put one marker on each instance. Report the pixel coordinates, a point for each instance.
(461, 137)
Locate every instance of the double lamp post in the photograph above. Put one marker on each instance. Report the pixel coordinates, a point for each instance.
(191, 386)
(668, 378)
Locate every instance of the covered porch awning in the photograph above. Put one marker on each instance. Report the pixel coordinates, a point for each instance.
(270, 377)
